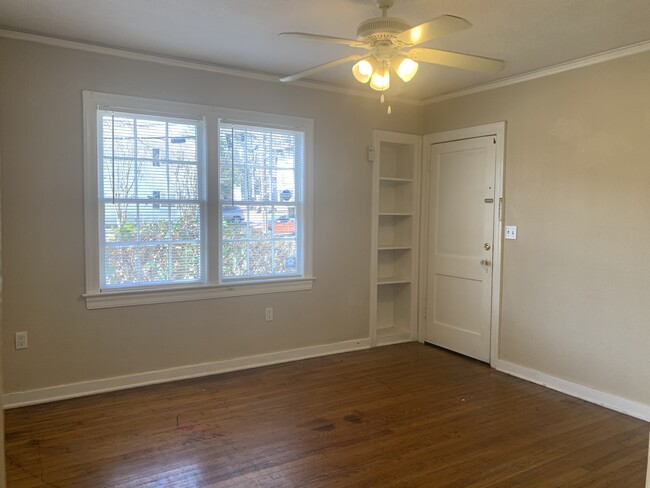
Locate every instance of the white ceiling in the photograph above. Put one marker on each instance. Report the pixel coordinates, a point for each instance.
(527, 34)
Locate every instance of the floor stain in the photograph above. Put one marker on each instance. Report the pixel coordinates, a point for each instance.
(353, 418)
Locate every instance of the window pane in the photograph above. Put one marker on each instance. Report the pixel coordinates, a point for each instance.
(153, 222)
(185, 222)
(118, 138)
(261, 218)
(260, 253)
(150, 202)
(182, 142)
(285, 258)
(152, 140)
(154, 263)
(234, 259)
(151, 180)
(183, 181)
(186, 262)
(234, 224)
(120, 265)
(119, 178)
(259, 173)
(120, 222)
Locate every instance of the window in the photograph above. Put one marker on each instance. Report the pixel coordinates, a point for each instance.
(261, 195)
(150, 200)
(189, 202)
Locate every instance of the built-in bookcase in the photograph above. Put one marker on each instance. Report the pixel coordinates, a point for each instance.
(394, 250)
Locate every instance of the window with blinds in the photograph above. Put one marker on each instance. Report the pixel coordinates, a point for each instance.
(261, 196)
(150, 199)
(186, 201)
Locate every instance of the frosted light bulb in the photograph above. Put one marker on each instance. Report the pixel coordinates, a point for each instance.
(404, 67)
(364, 69)
(380, 80)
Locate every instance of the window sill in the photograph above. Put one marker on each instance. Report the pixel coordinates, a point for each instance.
(126, 298)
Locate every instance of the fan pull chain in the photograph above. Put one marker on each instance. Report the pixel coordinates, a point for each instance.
(382, 99)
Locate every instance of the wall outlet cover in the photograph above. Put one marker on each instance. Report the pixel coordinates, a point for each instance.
(21, 340)
(511, 232)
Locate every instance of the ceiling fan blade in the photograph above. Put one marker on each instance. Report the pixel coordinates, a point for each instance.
(322, 67)
(456, 60)
(318, 37)
(432, 29)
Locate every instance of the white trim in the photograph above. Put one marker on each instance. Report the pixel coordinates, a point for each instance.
(550, 71)
(613, 402)
(126, 298)
(393, 339)
(189, 64)
(379, 137)
(84, 388)
(91, 204)
(647, 476)
(498, 130)
(256, 75)
(211, 287)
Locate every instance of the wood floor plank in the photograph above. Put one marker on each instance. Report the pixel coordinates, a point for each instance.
(395, 416)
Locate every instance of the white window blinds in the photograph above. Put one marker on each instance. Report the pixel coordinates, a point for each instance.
(192, 202)
(261, 201)
(151, 202)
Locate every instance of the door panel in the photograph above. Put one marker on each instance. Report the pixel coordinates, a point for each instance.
(461, 218)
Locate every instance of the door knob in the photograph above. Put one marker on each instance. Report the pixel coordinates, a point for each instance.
(487, 246)
(485, 262)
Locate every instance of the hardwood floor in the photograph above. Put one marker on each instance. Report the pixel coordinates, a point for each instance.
(399, 416)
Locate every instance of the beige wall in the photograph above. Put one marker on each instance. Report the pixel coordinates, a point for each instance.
(42, 201)
(576, 282)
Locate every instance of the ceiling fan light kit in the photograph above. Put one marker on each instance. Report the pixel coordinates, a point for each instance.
(380, 79)
(404, 67)
(390, 41)
(363, 70)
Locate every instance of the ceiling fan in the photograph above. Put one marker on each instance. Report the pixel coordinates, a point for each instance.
(390, 43)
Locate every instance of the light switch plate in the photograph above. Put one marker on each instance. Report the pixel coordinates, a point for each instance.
(511, 231)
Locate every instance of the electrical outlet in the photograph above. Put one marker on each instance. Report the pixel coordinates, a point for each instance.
(269, 314)
(21, 340)
(511, 232)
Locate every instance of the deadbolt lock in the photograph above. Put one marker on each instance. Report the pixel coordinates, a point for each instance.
(487, 246)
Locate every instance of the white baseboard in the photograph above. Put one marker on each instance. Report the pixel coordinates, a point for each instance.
(613, 402)
(61, 392)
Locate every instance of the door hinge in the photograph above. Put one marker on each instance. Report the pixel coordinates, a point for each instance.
(425, 312)
(494, 141)
(500, 211)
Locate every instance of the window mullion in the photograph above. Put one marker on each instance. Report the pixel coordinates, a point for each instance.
(136, 176)
(211, 217)
(169, 207)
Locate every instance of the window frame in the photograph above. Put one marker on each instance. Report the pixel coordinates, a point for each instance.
(212, 286)
(298, 204)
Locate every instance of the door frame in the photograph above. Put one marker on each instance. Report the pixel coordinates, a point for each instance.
(498, 130)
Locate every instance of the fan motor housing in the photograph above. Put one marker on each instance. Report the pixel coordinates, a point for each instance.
(381, 28)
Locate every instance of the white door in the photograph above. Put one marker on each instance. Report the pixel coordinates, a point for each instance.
(460, 245)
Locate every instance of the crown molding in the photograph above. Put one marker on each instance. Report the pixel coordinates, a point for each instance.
(551, 70)
(188, 64)
(314, 85)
